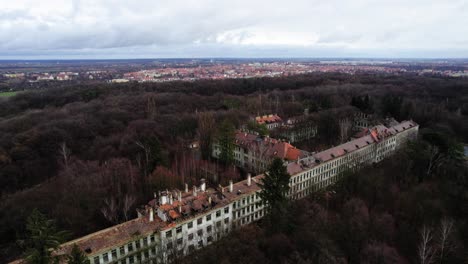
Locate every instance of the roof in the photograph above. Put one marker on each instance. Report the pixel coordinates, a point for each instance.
(373, 135)
(268, 147)
(267, 119)
(116, 235)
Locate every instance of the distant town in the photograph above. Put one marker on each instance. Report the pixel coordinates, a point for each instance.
(21, 72)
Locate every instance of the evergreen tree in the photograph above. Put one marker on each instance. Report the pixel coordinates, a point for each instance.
(226, 138)
(77, 256)
(43, 238)
(275, 186)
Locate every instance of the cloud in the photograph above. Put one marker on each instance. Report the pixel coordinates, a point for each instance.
(209, 28)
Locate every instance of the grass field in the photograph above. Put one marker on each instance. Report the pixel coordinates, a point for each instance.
(7, 94)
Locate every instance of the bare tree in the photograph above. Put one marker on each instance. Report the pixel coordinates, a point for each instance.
(205, 132)
(259, 153)
(434, 159)
(65, 154)
(147, 150)
(345, 127)
(128, 202)
(446, 229)
(151, 107)
(425, 249)
(110, 210)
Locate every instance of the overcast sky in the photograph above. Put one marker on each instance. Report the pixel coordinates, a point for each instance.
(31, 29)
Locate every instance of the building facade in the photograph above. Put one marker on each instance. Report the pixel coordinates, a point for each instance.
(176, 223)
(254, 153)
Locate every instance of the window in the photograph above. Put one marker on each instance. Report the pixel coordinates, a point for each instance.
(96, 260)
(179, 241)
(130, 247)
(226, 220)
(218, 224)
(146, 254)
(152, 238)
(208, 228)
(169, 233)
(210, 238)
(145, 241)
(226, 210)
(218, 213)
(200, 232)
(179, 229)
(131, 259)
(208, 217)
(122, 251)
(190, 225)
(153, 251)
(190, 236)
(137, 244)
(199, 221)
(191, 248)
(169, 245)
(114, 253)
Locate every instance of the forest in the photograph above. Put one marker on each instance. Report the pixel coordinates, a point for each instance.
(75, 153)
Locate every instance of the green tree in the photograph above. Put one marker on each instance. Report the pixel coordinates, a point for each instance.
(226, 138)
(261, 129)
(42, 239)
(275, 186)
(77, 256)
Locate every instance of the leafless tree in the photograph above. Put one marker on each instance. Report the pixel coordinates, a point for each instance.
(205, 132)
(110, 210)
(65, 154)
(425, 248)
(151, 107)
(147, 150)
(446, 229)
(128, 202)
(434, 159)
(345, 127)
(259, 153)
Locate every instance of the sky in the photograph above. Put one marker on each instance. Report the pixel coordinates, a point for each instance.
(95, 29)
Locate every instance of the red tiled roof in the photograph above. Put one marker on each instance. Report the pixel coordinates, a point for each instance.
(268, 146)
(268, 119)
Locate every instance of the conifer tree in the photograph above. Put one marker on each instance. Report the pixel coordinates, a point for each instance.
(275, 186)
(77, 256)
(42, 239)
(226, 137)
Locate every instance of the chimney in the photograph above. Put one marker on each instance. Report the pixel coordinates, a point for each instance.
(249, 179)
(163, 198)
(203, 185)
(186, 188)
(155, 195)
(151, 214)
(209, 200)
(231, 186)
(170, 198)
(180, 196)
(194, 190)
(180, 208)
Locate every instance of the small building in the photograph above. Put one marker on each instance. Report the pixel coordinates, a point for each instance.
(270, 121)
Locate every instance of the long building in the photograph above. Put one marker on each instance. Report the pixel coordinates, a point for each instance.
(176, 223)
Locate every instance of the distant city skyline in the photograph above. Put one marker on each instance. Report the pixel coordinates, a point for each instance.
(104, 29)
